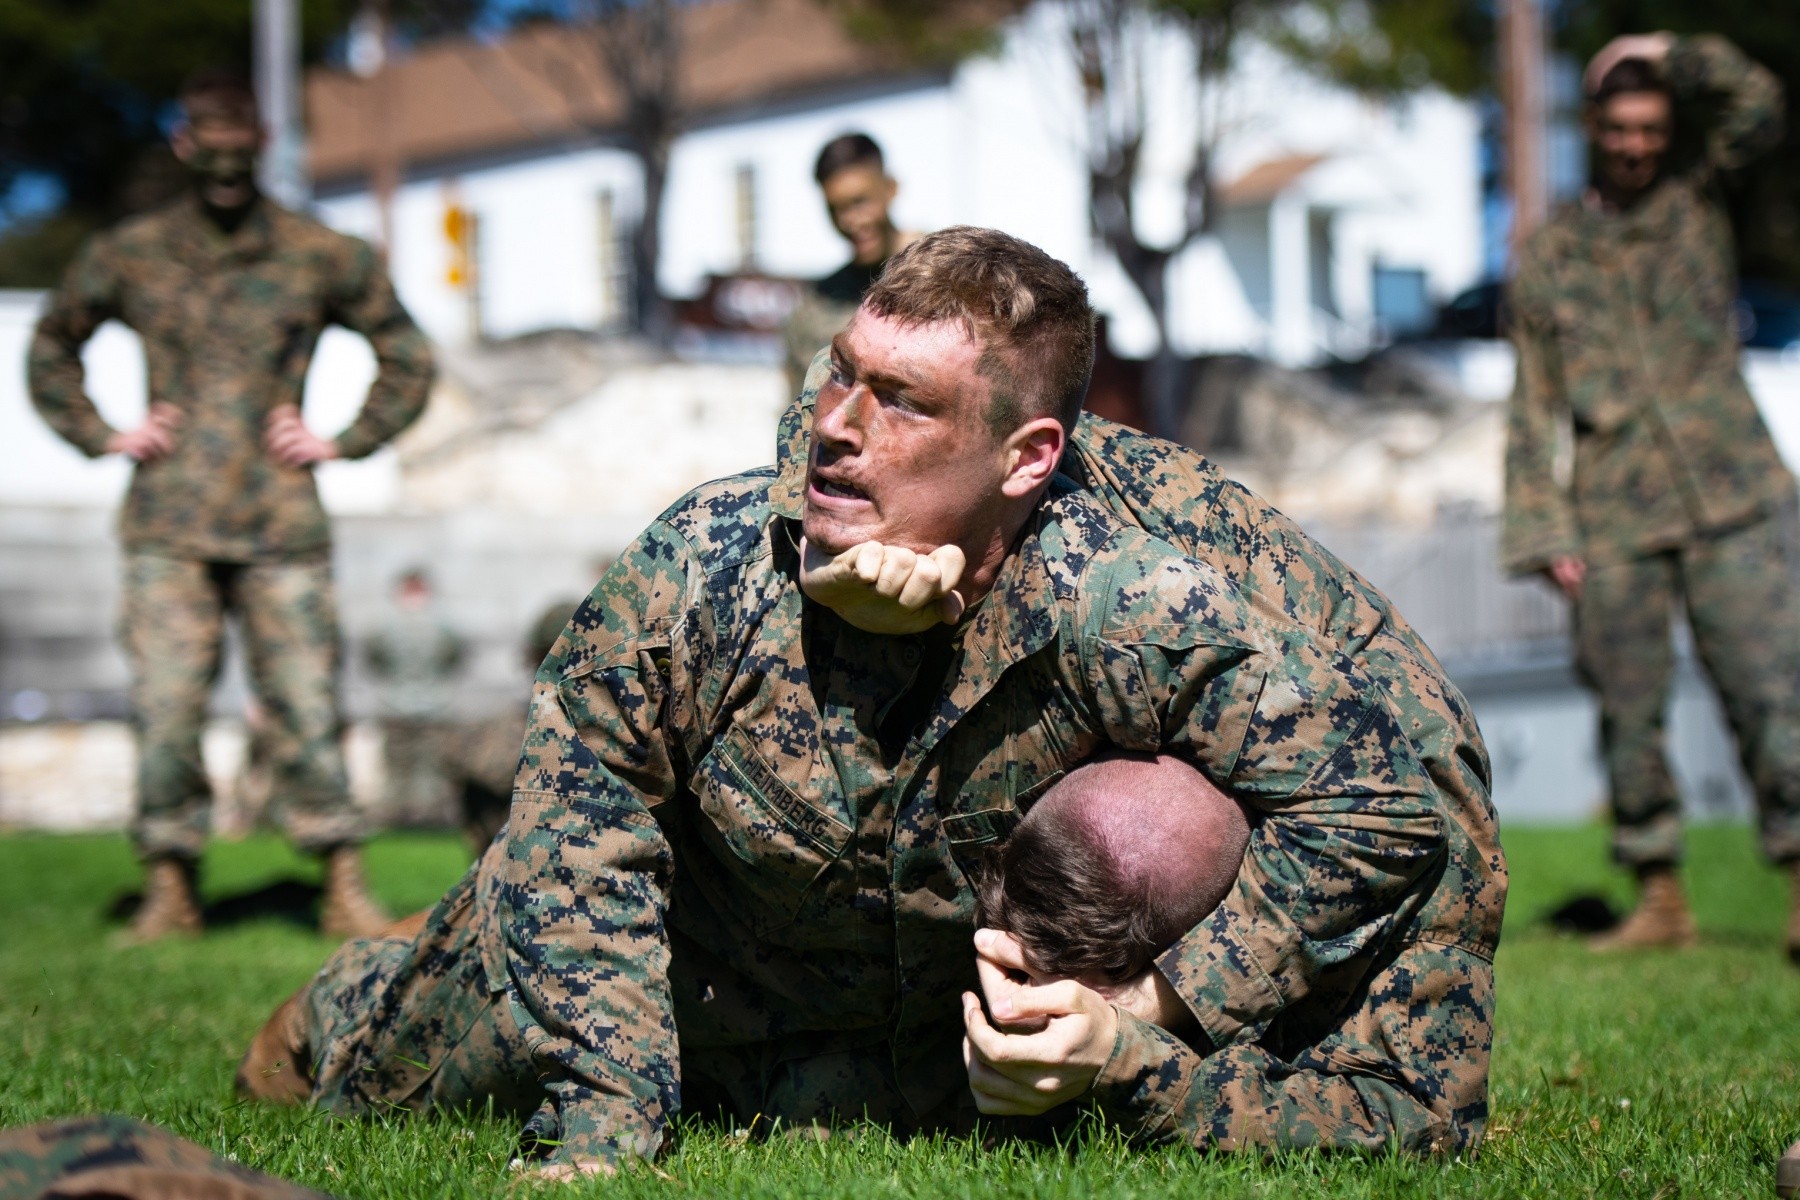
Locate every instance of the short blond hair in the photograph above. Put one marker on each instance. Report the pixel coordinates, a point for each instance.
(1029, 310)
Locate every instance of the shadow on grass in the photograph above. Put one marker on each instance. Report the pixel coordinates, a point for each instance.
(292, 901)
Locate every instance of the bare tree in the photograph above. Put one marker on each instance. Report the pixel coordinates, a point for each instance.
(1113, 42)
(1378, 47)
(637, 46)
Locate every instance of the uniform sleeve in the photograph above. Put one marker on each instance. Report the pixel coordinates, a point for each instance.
(1742, 98)
(1538, 523)
(1344, 818)
(365, 303)
(89, 295)
(586, 874)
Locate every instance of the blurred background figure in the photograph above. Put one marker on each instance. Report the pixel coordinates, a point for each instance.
(229, 292)
(1624, 325)
(859, 194)
(486, 755)
(414, 658)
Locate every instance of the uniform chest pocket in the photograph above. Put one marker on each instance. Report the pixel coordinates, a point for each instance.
(972, 834)
(770, 843)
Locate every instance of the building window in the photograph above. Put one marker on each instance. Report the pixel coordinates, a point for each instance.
(615, 263)
(746, 217)
(1402, 303)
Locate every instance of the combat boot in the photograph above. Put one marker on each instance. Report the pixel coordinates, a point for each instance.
(1787, 1173)
(1661, 917)
(277, 1069)
(169, 908)
(346, 910)
(1793, 932)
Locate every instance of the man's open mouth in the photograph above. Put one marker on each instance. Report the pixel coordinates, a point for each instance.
(841, 491)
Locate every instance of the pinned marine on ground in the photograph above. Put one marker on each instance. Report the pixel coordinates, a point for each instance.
(769, 752)
(1624, 320)
(229, 292)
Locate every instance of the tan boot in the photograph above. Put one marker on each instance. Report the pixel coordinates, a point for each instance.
(1661, 917)
(277, 1068)
(1793, 932)
(169, 908)
(1787, 1173)
(346, 911)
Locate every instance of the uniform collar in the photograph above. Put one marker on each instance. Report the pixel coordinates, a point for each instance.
(202, 243)
(1648, 219)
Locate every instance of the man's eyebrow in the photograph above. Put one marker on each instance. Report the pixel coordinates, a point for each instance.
(841, 348)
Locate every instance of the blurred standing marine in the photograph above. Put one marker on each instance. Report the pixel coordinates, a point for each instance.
(415, 656)
(1624, 308)
(859, 194)
(230, 293)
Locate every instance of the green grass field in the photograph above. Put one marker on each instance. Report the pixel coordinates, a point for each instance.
(1651, 1075)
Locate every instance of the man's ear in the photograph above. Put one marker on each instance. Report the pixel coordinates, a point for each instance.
(1033, 451)
(181, 141)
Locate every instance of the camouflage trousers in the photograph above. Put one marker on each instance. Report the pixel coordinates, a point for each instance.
(173, 627)
(1739, 590)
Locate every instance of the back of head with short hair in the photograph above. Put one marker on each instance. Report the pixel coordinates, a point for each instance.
(1029, 309)
(218, 94)
(1122, 857)
(1630, 75)
(847, 150)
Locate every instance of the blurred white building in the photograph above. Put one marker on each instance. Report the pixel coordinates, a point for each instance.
(1342, 215)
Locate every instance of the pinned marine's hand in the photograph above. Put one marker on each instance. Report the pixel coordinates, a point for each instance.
(1046, 1042)
(885, 589)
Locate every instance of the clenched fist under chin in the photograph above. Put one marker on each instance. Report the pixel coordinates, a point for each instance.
(885, 589)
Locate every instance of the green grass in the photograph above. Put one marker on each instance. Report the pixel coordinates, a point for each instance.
(1648, 1075)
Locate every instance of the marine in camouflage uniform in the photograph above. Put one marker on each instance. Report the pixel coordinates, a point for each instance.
(737, 873)
(858, 194)
(229, 308)
(1628, 364)
(414, 657)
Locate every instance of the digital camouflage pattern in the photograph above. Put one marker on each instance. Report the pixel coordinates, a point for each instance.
(737, 865)
(1628, 361)
(117, 1157)
(1270, 1085)
(1740, 595)
(172, 623)
(1624, 324)
(229, 323)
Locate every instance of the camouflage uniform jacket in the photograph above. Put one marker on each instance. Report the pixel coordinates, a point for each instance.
(1624, 325)
(1180, 497)
(713, 762)
(228, 323)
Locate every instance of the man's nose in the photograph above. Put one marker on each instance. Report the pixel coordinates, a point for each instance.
(841, 424)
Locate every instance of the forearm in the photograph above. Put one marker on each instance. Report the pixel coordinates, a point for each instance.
(56, 381)
(1538, 525)
(581, 904)
(586, 870)
(1748, 116)
(397, 397)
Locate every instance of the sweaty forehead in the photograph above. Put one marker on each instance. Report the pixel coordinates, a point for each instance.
(936, 355)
